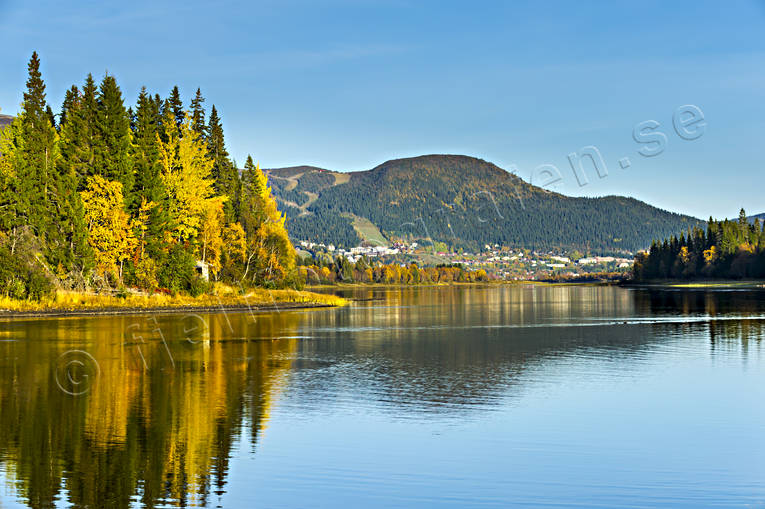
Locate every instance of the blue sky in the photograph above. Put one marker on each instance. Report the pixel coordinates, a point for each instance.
(346, 85)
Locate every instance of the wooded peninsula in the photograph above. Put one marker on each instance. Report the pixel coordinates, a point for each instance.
(142, 201)
(725, 250)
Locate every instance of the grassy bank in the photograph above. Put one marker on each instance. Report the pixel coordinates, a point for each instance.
(223, 297)
(701, 284)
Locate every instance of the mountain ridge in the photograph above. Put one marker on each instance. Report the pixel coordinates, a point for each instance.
(462, 201)
(5, 120)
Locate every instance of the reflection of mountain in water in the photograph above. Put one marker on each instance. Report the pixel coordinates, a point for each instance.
(468, 350)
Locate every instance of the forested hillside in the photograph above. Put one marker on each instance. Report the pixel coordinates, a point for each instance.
(100, 195)
(464, 202)
(5, 120)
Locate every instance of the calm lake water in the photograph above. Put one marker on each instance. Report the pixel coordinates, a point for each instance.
(438, 396)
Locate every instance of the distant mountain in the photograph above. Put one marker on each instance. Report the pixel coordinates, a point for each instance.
(463, 202)
(5, 120)
(761, 217)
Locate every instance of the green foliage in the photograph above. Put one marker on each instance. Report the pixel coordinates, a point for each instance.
(224, 173)
(21, 280)
(113, 196)
(467, 202)
(726, 249)
(198, 115)
(12, 271)
(33, 196)
(269, 254)
(113, 138)
(324, 229)
(177, 271)
(174, 108)
(341, 270)
(38, 285)
(197, 286)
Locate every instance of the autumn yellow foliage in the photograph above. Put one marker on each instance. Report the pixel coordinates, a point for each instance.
(186, 178)
(110, 229)
(223, 296)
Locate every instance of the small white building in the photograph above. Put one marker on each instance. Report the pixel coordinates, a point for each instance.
(203, 269)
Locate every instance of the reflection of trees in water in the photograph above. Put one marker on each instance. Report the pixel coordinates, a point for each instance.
(162, 425)
(392, 354)
(150, 426)
(440, 356)
(746, 307)
(700, 302)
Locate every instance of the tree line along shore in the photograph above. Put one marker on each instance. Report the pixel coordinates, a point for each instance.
(104, 205)
(113, 206)
(725, 250)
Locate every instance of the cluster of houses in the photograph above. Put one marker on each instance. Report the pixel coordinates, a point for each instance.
(353, 254)
(622, 262)
(502, 261)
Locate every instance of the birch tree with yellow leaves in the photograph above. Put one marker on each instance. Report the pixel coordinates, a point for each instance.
(186, 177)
(133, 196)
(211, 234)
(110, 229)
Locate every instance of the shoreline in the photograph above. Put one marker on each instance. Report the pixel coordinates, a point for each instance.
(710, 284)
(116, 311)
(65, 304)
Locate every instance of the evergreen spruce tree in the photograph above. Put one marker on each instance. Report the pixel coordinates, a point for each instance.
(35, 164)
(76, 157)
(146, 127)
(167, 125)
(112, 147)
(70, 98)
(176, 106)
(198, 115)
(79, 131)
(73, 255)
(224, 172)
(51, 116)
(272, 256)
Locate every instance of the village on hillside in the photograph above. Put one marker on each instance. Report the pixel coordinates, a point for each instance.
(499, 262)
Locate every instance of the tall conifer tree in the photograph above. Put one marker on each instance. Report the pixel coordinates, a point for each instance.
(76, 156)
(198, 115)
(176, 106)
(224, 172)
(112, 149)
(146, 127)
(35, 165)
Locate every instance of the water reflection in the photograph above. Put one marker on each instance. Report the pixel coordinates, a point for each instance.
(175, 394)
(160, 420)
